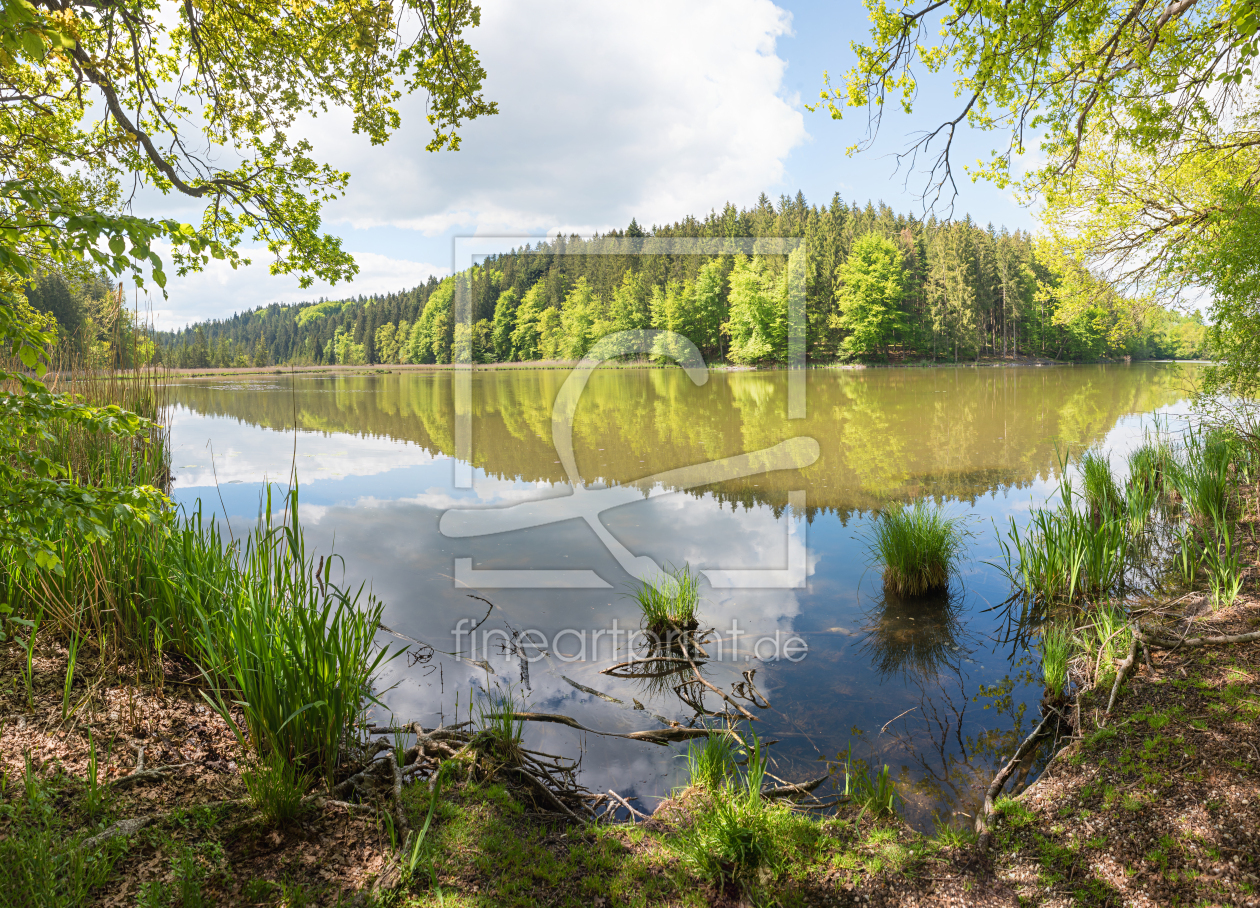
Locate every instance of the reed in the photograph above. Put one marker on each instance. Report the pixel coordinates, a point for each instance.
(1202, 473)
(293, 650)
(1056, 651)
(1063, 555)
(1101, 493)
(918, 547)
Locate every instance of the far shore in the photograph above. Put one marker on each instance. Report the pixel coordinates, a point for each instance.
(385, 368)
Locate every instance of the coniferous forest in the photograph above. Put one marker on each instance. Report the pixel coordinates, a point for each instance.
(880, 286)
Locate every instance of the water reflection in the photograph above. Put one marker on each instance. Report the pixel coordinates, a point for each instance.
(926, 687)
(914, 637)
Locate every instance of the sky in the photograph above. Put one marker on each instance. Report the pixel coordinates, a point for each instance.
(608, 111)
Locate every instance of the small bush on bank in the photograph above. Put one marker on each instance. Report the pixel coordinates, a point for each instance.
(918, 547)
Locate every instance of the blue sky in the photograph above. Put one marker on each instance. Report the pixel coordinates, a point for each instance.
(652, 110)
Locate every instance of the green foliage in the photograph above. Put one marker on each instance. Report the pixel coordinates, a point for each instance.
(711, 761)
(276, 787)
(918, 547)
(736, 836)
(669, 602)
(1102, 495)
(293, 651)
(870, 296)
(43, 860)
(1056, 650)
(872, 791)
(1062, 555)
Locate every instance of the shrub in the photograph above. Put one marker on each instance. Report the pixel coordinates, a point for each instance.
(918, 548)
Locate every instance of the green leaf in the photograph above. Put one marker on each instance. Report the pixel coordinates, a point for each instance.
(117, 244)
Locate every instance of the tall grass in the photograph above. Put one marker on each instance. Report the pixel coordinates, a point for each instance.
(736, 837)
(1202, 473)
(670, 602)
(1063, 555)
(294, 651)
(1056, 651)
(711, 761)
(1102, 495)
(918, 547)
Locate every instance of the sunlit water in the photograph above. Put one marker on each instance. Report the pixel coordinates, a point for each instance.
(930, 689)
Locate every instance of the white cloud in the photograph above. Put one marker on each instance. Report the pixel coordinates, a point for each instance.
(654, 110)
(608, 111)
(219, 291)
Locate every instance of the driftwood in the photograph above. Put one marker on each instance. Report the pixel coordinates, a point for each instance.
(626, 804)
(655, 736)
(792, 792)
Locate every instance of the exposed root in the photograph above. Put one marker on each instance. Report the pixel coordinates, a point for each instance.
(999, 781)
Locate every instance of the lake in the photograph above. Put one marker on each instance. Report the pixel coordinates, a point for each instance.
(775, 513)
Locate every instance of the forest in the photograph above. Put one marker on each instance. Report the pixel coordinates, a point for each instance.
(881, 286)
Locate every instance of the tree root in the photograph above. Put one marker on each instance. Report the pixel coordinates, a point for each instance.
(999, 781)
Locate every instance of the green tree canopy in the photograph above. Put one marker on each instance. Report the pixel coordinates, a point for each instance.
(871, 290)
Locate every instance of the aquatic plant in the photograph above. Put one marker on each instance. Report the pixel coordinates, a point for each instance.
(670, 601)
(499, 733)
(1202, 473)
(292, 650)
(1224, 566)
(872, 791)
(1056, 649)
(918, 547)
(1101, 493)
(1063, 555)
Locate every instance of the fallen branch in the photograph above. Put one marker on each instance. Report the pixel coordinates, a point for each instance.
(626, 804)
(655, 736)
(792, 792)
(135, 824)
(1155, 638)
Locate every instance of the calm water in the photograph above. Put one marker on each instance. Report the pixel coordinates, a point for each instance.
(930, 689)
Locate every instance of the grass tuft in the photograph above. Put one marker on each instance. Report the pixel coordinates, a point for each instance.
(276, 788)
(918, 547)
(711, 761)
(1056, 650)
(670, 602)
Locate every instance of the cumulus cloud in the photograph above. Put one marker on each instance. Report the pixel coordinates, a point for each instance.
(651, 110)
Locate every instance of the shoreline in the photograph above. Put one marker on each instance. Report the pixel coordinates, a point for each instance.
(556, 365)
(1168, 785)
